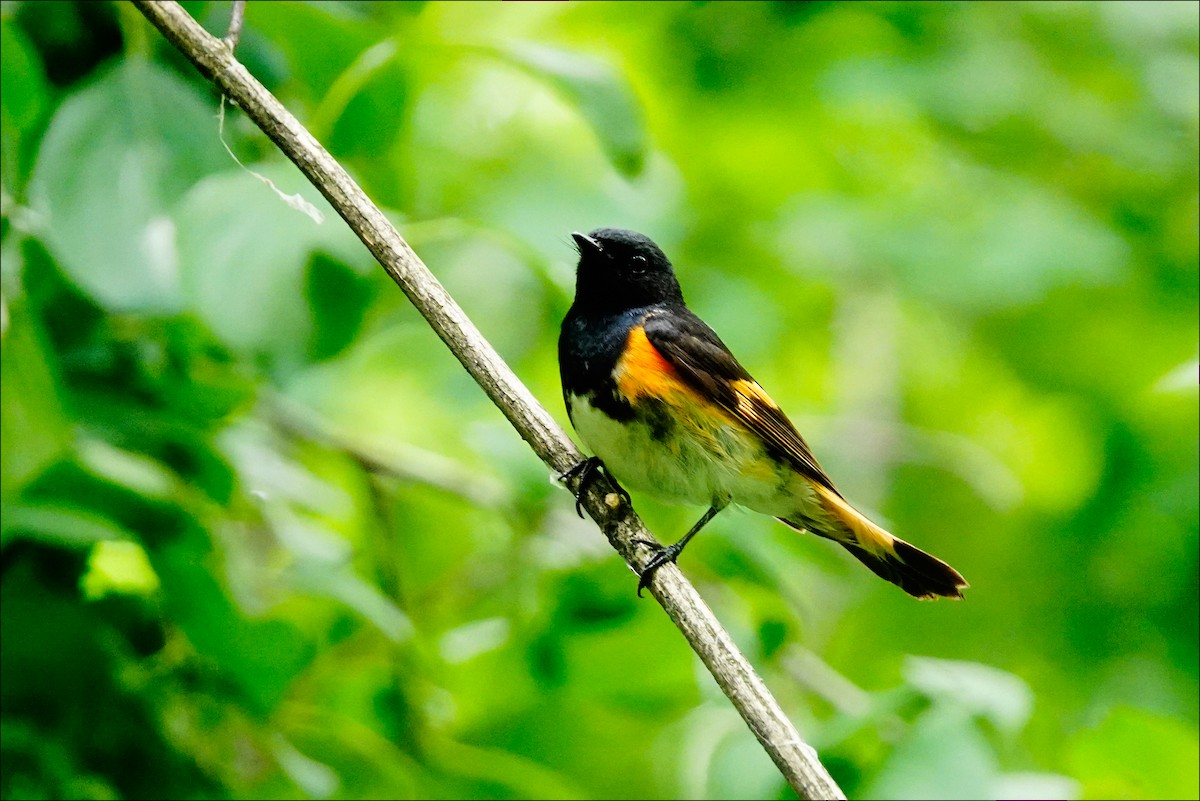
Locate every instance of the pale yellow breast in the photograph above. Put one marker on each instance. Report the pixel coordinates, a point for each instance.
(704, 459)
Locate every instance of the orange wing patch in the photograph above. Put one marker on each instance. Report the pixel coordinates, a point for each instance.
(642, 370)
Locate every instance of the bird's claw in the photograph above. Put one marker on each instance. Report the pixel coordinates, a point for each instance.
(661, 556)
(586, 470)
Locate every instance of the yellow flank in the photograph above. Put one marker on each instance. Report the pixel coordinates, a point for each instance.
(866, 534)
(642, 370)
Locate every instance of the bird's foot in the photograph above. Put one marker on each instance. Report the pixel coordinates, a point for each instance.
(585, 470)
(661, 556)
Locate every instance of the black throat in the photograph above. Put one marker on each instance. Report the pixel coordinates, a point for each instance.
(589, 346)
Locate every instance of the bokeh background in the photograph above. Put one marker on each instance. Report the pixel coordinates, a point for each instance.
(263, 537)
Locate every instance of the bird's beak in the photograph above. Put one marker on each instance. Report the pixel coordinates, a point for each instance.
(587, 245)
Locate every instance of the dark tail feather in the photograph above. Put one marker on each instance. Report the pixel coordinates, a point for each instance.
(912, 570)
(890, 558)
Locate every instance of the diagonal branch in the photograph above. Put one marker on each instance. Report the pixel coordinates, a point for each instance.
(796, 760)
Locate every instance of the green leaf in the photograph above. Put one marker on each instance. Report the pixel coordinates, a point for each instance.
(24, 93)
(118, 567)
(320, 568)
(134, 471)
(315, 778)
(21, 103)
(1136, 754)
(58, 525)
(243, 255)
(944, 756)
(338, 297)
(33, 423)
(261, 656)
(519, 776)
(982, 690)
(117, 154)
(597, 90)
(1035, 785)
(317, 40)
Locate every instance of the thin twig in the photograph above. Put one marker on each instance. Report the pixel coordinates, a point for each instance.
(796, 760)
(407, 463)
(236, 16)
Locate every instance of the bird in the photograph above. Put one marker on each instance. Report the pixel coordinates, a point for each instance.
(667, 409)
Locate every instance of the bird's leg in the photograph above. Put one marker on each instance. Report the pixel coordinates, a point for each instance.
(671, 552)
(586, 470)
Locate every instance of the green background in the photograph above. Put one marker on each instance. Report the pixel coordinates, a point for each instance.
(263, 536)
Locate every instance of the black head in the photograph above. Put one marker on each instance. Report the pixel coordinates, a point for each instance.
(620, 270)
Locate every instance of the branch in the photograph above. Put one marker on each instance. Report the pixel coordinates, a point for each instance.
(796, 760)
(236, 16)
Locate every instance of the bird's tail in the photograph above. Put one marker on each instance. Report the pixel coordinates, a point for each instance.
(908, 567)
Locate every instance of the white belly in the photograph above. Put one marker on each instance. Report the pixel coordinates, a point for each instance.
(700, 461)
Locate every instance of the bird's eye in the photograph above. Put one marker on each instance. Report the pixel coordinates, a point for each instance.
(638, 264)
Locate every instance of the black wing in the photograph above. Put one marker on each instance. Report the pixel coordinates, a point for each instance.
(701, 359)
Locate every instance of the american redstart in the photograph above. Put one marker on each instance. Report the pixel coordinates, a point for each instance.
(666, 408)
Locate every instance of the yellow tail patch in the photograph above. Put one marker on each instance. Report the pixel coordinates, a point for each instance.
(919, 574)
(866, 534)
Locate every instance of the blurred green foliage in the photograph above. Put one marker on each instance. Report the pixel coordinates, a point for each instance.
(263, 537)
